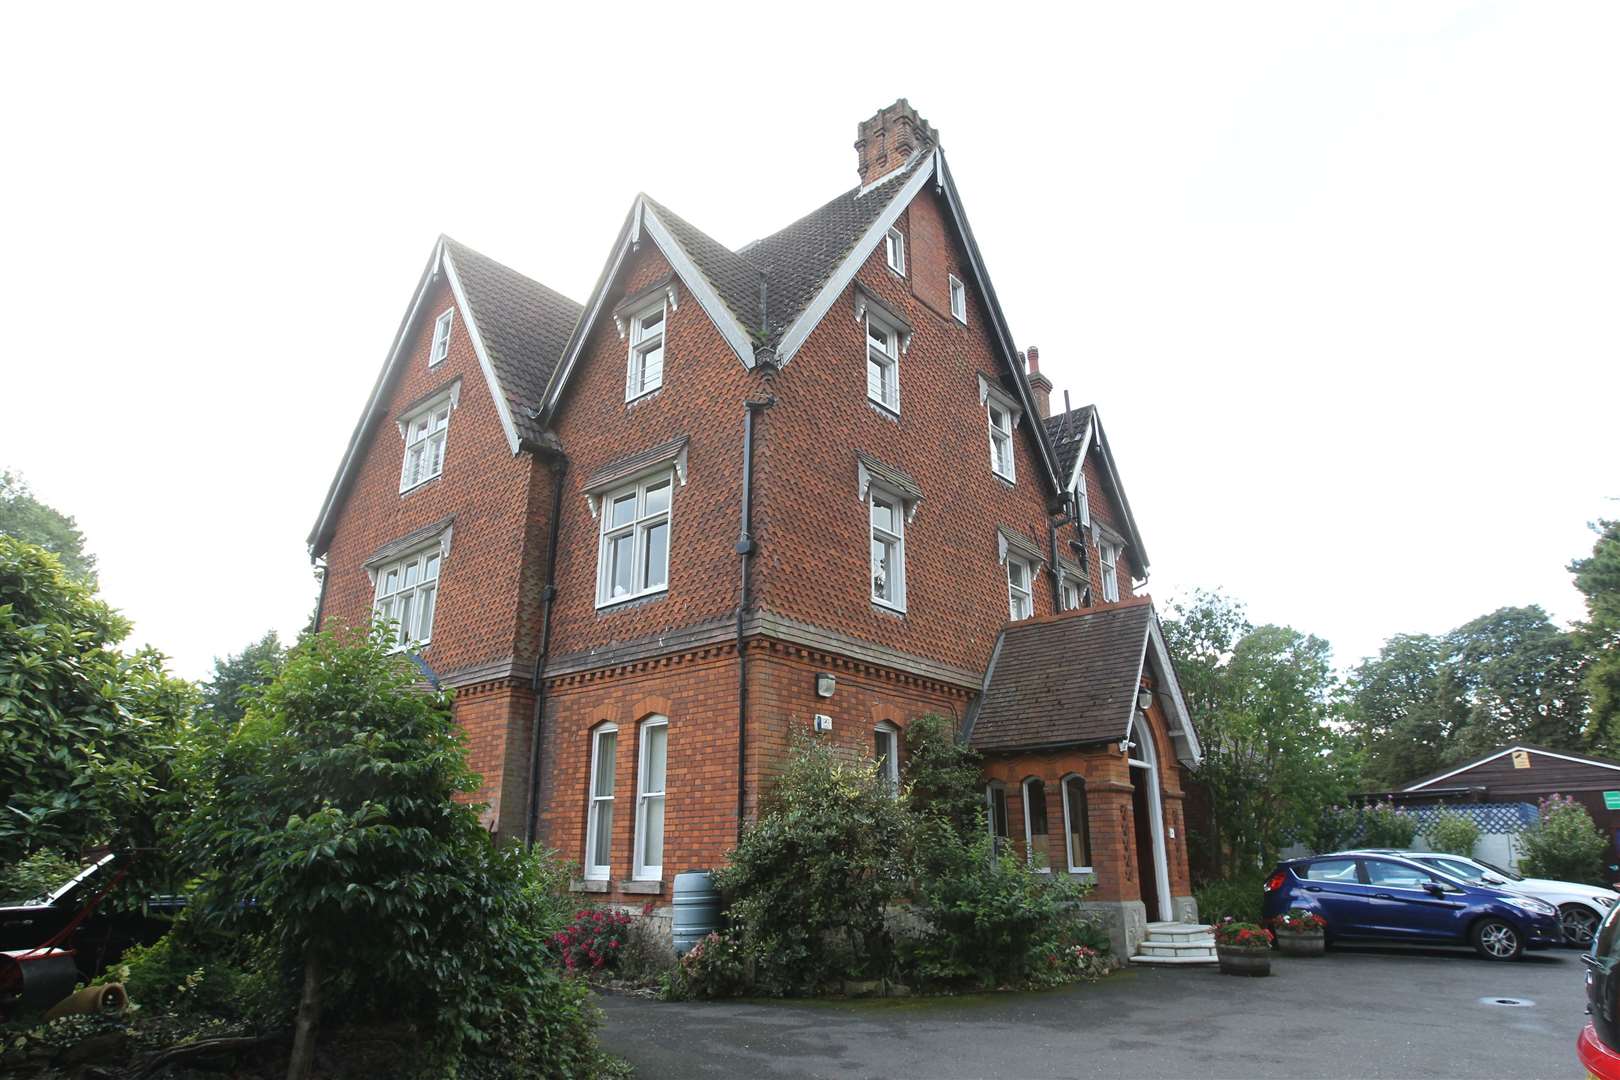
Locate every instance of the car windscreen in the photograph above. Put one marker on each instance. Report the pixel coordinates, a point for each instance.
(1493, 868)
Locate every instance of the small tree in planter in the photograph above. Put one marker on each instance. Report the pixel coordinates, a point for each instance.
(1300, 933)
(1243, 948)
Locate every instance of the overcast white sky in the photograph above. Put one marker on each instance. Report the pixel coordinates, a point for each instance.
(1342, 279)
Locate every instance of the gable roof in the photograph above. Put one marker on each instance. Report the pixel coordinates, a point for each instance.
(517, 327)
(1448, 773)
(1072, 679)
(1072, 435)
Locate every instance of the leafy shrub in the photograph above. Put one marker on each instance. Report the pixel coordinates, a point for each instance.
(1237, 898)
(942, 775)
(718, 966)
(595, 940)
(822, 863)
(1564, 844)
(988, 914)
(185, 974)
(1337, 829)
(36, 874)
(1453, 833)
(1385, 825)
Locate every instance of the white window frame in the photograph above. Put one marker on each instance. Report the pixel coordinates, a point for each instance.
(392, 594)
(1081, 497)
(958, 299)
(648, 871)
(897, 571)
(894, 250)
(1001, 437)
(1108, 560)
(593, 814)
(636, 383)
(1068, 823)
(640, 525)
(434, 441)
(1027, 592)
(886, 358)
(1071, 586)
(441, 337)
(889, 762)
(1029, 825)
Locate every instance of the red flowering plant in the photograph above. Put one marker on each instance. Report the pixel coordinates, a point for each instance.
(594, 939)
(1243, 935)
(1298, 921)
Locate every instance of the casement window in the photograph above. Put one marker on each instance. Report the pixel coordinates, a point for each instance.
(1076, 825)
(958, 300)
(886, 752)
(441, 337)
(599, 816)
(1020, 594)
(895, 248)
(426, 431)
(1001, 441)
(1108, 555)
(634, 557)
(888, 518)
(646, 372)
(1036, 851)
(995, 801)
(650, 772)
(1071, 594)
(406, 590)
(882, 363)
(1082, 502)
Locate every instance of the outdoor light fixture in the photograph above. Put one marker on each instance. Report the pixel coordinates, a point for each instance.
(825, 684)
(1144, 698)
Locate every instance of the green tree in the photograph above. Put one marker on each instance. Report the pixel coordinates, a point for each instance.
(1520, 677)
(1598, 578)
(943, 775)
(334, 804)
(239, 676)
(1564, 844)
(86, 732)
(1405, 709)
(26, 518)
(1262, 699)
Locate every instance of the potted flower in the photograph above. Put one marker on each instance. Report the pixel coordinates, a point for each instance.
(1300, 933)
(1243, 948)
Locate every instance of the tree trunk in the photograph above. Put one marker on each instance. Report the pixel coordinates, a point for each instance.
(309, 1018)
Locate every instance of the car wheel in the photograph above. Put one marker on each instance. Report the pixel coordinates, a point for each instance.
(1496, 940)
(1580, 923)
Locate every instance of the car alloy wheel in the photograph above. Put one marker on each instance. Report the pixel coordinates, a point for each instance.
(1579, 924)
(1496, 940)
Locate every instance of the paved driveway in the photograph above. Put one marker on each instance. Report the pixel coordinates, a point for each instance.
(1363, 1012)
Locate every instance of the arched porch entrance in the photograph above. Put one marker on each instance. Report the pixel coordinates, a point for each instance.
(1147, 802)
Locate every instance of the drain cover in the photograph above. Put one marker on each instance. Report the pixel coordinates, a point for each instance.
(1508, 1002)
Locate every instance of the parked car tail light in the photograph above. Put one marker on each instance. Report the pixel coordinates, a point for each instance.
(1275, 881)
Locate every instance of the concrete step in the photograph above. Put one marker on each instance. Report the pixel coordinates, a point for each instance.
(1186, 937)
(1177, 948)
(1173, 961)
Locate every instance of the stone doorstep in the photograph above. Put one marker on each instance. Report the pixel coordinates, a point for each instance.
(1174, 961)
(1164, 948)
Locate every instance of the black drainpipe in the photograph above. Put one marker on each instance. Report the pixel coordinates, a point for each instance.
(559, 467)
(745, 551)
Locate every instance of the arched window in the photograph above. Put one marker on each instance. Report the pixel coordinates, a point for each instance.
(995, 801)
(599, 816)
(886, 752)
(1076, 824)
(1036, 849)
(650, 772)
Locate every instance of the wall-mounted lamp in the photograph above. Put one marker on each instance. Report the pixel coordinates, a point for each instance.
(826, 683)
(1144, 699)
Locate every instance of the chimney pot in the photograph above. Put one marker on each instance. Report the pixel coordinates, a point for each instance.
(885, 140)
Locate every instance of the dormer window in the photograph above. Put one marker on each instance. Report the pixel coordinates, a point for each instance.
(895, 247)
(441, 337)
(646, 370)
(1108, 555)
(882, 363)
(958, 300)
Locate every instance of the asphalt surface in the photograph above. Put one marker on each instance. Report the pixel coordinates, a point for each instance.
(1361, 1012)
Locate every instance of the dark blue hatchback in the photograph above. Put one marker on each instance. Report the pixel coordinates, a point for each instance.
(1388, 898)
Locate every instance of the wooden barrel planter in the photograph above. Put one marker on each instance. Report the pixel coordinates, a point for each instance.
(1305, 943)
(1244, 959)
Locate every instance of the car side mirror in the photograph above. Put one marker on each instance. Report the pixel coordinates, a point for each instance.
(1435, 887)
(1489, 880)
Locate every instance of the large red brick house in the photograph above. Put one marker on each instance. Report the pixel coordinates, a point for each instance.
(809, 484)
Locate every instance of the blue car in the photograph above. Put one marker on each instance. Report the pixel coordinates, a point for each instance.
(1388, 898)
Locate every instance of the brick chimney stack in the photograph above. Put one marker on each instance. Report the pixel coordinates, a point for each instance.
(1040, 384)
(889, 138)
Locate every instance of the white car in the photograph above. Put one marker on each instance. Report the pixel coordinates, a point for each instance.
(1580, 907)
